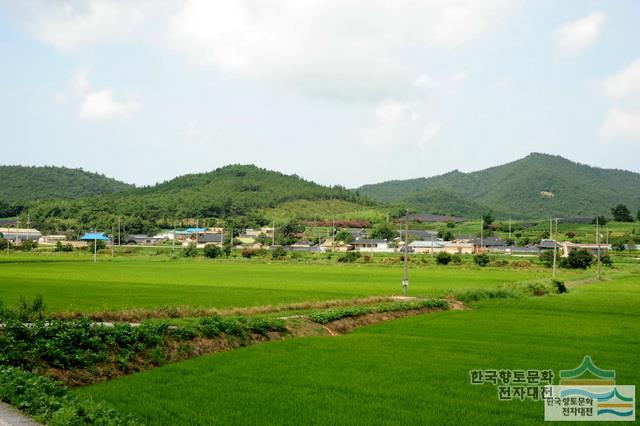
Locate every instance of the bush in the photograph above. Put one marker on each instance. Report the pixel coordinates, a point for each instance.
(279, 253)
(4, 243)
(443, 258)
(456, 259)
(500, 263)
(606, 260)
(348, 257)
(481, 259)
(63, 247)
(190, 251)
(212, 251)
(520, 264)
(28, 245)
(546, 258)
(49, 403)
(329, 315)
(560, 286)
(248, 253)
(577, 259)
(99, 245)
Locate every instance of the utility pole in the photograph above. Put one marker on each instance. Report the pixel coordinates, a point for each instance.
(405, 273)
(273, 234)
(173, 240)
(598, 246)
(509, 227)
(481, 232)
(119, 242)
(112, 237)
(95, 246)
(333, 234)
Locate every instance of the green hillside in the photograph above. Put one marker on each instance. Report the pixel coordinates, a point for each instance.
(20, 185)
(236, 191)
(515, 189)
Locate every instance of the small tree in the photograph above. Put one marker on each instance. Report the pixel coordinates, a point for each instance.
(600, 219)
(456, 258)
(481, 259)
(4, 243)
(577, 259)
(443, 258)
(621, 213)
(212, 251)
(487, 220)
(98, 244)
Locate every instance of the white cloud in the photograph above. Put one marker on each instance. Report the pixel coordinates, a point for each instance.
(573, 37)
(425, 81)
(332, 48)
(621, 126)
(624, 83)
(98, 104)
(400, 123)
(336, 47)
(73, 24)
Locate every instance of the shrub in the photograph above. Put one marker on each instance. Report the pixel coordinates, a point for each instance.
(329, 315)
(560, 286)
(248, 253)
(500, 263)
(99, 245)
(456, 258)
(348, 257)
(212, 251)
(49, 403)
(279, 253)
(481, 259)
(28, 245)
(190, 251)
(606, 260)
(521, 264)
(546, 258)
(63, 247)
(443, 258)
(4, 244)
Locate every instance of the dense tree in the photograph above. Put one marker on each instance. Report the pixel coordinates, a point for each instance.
(621, 213)
(383, 231)
(344, 236)
(481, 259)
(577, 259)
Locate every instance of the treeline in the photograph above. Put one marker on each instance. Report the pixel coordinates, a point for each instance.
(232, 194)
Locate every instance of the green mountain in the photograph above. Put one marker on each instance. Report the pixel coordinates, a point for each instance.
(22, 185)
(538, 185)
(235, 191)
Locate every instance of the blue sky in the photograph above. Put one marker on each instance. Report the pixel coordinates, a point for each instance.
(339, 92)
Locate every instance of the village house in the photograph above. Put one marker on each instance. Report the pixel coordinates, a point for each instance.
(372, 246)
(567, 247)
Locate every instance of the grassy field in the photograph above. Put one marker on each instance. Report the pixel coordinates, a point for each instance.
(71, 283)
(409, 371)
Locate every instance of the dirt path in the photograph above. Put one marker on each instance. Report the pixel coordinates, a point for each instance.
(9, 416)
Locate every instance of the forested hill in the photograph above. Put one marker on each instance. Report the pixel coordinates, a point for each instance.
(20, 185)
(538, 185)
(232, 192)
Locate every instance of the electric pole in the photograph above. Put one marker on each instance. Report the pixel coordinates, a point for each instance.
(598, 246)
(405, 274)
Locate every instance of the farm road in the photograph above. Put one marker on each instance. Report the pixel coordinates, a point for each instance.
(9, 416)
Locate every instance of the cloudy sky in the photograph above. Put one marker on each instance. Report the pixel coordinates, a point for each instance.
(341, 92)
